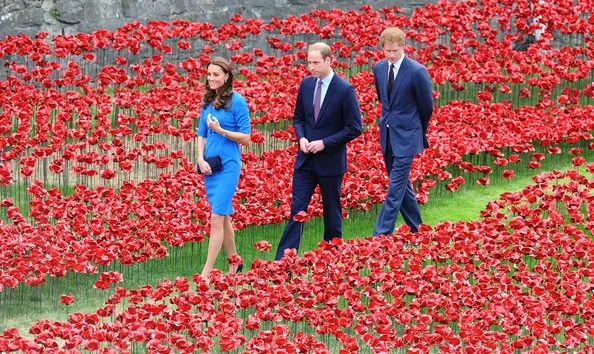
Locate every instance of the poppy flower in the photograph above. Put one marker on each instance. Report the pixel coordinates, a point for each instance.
(263, 246)
(66, 299)
(301, 216)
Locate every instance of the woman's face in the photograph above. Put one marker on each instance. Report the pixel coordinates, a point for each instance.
(216, 77)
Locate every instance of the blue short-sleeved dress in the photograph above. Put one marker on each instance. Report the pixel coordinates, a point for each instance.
(221, 185)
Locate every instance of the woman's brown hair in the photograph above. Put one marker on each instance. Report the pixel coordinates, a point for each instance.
(223, 97)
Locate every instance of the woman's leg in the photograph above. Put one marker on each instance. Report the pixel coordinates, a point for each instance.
(217, 235)
(229, 242)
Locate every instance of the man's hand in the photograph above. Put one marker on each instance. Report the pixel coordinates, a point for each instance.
(304, 145)
(316, 146)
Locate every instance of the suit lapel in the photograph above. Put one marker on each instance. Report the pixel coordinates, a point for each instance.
(402, 73)
(383, 81)
(329, 92)
(309, 98)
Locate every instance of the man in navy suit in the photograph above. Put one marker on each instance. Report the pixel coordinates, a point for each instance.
(403, 87)
(327, 116)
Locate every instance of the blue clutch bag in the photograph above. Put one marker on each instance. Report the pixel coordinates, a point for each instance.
(214, 162)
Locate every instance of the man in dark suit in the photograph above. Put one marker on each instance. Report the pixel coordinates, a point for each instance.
(327, 116)
(403, 87)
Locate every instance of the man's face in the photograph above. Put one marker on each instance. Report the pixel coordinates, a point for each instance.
(392, 51)
(318, 66)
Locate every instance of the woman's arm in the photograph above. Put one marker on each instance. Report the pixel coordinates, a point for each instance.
(238, 137)
(241, 113)
(202, 133)
(202, 164)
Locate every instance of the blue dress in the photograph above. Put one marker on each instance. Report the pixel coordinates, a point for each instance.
(221, 185)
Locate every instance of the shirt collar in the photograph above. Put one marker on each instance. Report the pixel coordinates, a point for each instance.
(397, 63)
(328, 78)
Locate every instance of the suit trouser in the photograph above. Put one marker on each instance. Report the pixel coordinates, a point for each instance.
(400, 197)
(305, 181)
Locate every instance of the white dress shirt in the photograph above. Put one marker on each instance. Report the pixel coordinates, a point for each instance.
(325, 84)
(396, 66)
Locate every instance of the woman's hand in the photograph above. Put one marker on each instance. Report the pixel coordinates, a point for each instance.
(213, 123)
(204, 167)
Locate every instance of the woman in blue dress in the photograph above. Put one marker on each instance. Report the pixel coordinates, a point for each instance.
(224, 124)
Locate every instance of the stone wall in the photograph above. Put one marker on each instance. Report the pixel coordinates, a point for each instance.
(74, 16)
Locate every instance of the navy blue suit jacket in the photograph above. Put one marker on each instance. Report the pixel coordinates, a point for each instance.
(407, 111)
(339, 122)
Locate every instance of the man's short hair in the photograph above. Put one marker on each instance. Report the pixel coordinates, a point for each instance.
(321, 47)
(392, 35)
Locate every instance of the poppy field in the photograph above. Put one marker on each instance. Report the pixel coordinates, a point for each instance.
(99, 195)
